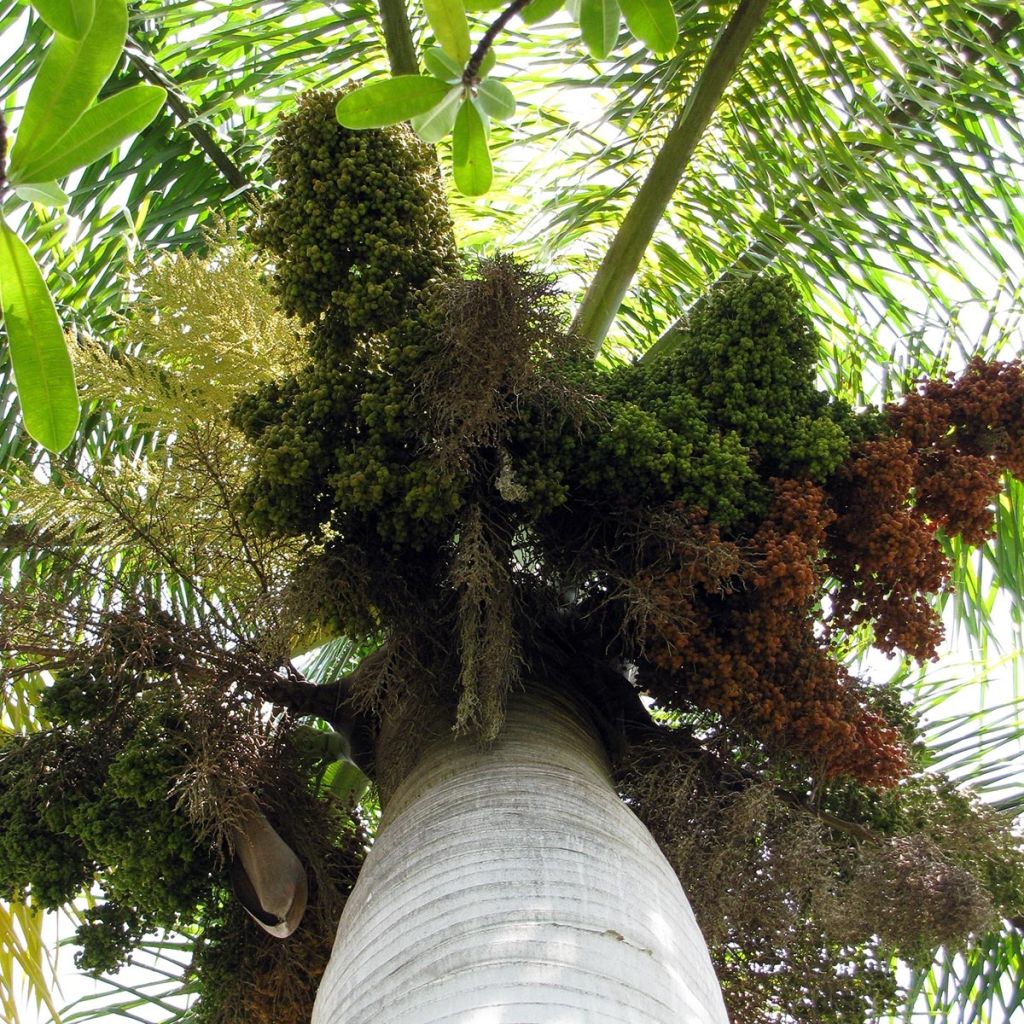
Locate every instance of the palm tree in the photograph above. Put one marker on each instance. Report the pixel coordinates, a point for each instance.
(872, 153)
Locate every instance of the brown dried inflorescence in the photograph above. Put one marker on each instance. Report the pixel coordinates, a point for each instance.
(965, 431)
(802, 909)
(501, 340)
(489, 648)
(752, 656)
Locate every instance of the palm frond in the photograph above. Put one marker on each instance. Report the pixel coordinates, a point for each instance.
(979, 986)
(159, 991)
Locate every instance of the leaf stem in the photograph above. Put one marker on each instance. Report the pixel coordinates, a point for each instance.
(469, 76)
(394, 20)
(3, 156)
(620, 263)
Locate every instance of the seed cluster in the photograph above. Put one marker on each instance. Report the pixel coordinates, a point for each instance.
(132, 784)
(468, 402)
(358, 222)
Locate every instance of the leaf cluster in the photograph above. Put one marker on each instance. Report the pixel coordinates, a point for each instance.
(456, 97)
(61, 129)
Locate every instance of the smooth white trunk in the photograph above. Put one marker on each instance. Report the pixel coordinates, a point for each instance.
(510, 885)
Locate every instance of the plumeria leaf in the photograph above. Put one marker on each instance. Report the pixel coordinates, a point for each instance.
(470, 156)
(653, 22)
(69, 79)
(440, 65)
(437, 123)
(70, 18)
(448, 20)
(49, 193)
(541, 9)
(98, 131)
(390, 101)
(497, 100)
(599, 25)
(42, 367)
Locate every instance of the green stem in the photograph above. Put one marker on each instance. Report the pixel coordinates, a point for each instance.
(903, 113)
(3, 155)
(617, 269)
(394, 19)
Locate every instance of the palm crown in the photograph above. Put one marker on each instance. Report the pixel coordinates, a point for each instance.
(866, 154)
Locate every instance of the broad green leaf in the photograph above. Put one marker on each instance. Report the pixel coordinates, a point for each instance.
(99, 130)
(470, 155)
(390, 101)
(347, 782)
(599, 25)
(497, 100)
(653, 22)
(49, 193)
(437, 123)
(487, 63)
(440, 65)
(484, 5)
(42, 367)
(68, 81)
(448, 20)
(70, 18)
(541, 9)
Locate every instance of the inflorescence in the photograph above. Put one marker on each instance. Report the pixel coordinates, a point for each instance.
(467, 402)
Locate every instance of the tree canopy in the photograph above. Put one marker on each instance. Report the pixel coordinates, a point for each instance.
(330, 395)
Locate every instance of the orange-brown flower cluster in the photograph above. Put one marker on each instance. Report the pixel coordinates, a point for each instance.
(953, 440)
(883, 551)
(965, 432)
(752, 655)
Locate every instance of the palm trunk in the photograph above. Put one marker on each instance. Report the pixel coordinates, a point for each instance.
(510, 885)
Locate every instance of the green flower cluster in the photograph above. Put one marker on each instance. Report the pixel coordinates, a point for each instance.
(293, 424)
(388, 477)
(417, 404)
(89, 797)
(359, 222)
(358, 229)
(748, 356)
(347, 445)
(706, 425)
(659, 445)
